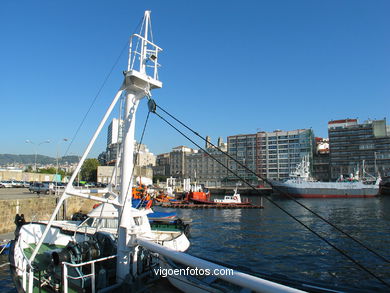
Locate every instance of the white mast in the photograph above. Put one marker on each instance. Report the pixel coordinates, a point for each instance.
(140, 78)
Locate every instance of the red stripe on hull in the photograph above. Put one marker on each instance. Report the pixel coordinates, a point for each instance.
(330, 196)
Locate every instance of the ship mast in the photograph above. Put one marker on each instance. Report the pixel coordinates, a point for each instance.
(140, 78)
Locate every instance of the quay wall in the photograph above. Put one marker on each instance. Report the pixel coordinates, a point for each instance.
(242, 191)
(25, 176)
(39, 208)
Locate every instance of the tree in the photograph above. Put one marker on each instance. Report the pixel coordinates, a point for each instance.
(50, 170)
(160, 178)
(28, 169)
(89, 170)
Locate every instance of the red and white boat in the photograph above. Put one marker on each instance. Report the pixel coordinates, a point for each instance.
(302, 185)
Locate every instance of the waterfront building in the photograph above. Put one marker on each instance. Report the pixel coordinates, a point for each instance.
(272, 155)
(243, 148)
(279, 152)
(321, 160)
(178, 161)
(114, 140)
(104, 174)
(144, 157)
(203, 167)
(354, 146)
(111, 153)
(114, 131)
(162, 166)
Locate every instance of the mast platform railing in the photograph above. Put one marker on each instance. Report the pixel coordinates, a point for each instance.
(142, 54)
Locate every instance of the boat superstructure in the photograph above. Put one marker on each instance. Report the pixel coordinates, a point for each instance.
(235, 198)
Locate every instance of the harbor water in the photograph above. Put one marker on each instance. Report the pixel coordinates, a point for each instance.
(268, 241)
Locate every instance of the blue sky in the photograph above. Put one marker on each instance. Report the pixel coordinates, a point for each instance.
(229, 67)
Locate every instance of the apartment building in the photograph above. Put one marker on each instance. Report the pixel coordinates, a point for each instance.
(162, 165)
(356, 146)
(178, 161)
(208, 167)
(271, 155)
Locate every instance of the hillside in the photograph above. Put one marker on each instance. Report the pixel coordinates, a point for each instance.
(6, 159)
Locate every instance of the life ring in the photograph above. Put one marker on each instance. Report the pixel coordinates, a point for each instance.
(235, 197)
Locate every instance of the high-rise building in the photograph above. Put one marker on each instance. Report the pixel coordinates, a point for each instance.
(361, 147)
(114, 140)
(281, 151)
(114, 132)
(271, 155)
(243, 148)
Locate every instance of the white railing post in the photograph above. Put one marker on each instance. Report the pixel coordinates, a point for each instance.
(24, 277)
(93, 277)
(31, 280)
(64, 278)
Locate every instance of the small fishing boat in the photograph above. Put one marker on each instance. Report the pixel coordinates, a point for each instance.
(230, 199)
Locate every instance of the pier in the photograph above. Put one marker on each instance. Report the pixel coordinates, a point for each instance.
(210, 206)
(259, 191)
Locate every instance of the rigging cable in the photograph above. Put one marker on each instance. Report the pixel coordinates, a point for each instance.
(270, 200)
(279, 190)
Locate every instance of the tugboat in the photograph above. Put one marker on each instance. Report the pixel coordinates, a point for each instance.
(229, 199)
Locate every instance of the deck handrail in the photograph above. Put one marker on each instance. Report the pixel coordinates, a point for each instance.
(238, 278)
(92, 274)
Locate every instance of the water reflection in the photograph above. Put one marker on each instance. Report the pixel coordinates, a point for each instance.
(269, 241)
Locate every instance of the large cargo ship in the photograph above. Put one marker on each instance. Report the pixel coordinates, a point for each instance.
(302, 185)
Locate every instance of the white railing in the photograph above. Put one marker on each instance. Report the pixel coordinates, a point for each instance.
(139, 55)
(238, 278)
(65, 275)
(26, 268)
(243, 280)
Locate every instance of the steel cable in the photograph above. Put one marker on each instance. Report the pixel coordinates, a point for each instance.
(279, 190)
(272, 201)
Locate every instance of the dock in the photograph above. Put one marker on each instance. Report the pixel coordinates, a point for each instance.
(260, 191)
(209, 206)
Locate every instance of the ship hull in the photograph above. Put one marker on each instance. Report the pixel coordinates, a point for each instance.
(325, 190)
